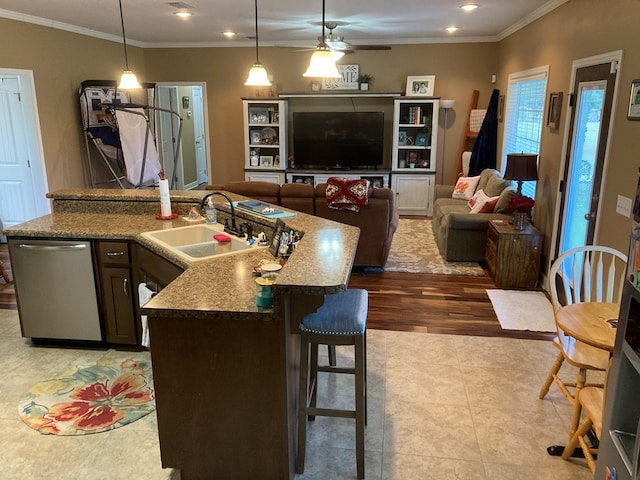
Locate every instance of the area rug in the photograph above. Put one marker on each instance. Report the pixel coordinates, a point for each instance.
(414, 250)
(523, 310)
(90, 399)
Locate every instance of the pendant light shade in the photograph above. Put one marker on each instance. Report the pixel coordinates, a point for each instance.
(128, 79)
(258, 74)
(323, 62)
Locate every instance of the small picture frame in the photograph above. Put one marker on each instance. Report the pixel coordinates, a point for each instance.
(421, 140)
(553, 111)
(634, 100)
(258, 115)
(256, 137)
(420, 86)
(275, 238)
(266, 160)
(402, 137)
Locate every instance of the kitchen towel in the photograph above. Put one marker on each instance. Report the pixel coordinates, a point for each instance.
(144, 295)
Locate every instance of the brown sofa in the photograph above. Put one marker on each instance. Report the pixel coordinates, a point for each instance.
(377, 221)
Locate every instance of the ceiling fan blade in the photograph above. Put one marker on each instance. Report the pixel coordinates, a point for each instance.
(369, 47)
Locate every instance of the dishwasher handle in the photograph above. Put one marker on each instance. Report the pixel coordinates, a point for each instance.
(27, 246)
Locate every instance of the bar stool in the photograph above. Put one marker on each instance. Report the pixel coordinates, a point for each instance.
(341, 320)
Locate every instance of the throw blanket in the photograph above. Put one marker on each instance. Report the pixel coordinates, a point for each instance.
(347, 193)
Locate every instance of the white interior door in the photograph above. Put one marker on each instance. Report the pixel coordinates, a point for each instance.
(18, 201)
(199, 134)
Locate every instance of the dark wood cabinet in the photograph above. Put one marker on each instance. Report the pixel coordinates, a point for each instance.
(122, 267)
(513, 256)
(116, 292)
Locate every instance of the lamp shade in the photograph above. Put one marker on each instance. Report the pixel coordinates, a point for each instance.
(522, 167)
(258, 76)
(322, 64)
(447, 104)
(128, 80)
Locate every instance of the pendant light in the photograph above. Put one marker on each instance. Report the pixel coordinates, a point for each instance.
(128, 79)
(323, 63)
(258, 74)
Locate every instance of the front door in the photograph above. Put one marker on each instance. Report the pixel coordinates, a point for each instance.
(592, 100)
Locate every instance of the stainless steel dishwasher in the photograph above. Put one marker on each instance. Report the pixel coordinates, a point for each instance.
(56, 290)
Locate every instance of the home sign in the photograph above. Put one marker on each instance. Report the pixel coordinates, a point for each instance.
(347, 81)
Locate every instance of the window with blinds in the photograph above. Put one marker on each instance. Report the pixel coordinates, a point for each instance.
(524, 114)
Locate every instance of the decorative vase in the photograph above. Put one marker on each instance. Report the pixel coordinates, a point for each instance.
(519, 220)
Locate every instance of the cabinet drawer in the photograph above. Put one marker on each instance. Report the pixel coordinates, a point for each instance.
(113, 253)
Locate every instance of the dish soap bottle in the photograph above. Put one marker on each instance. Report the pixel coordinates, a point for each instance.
(210, 212)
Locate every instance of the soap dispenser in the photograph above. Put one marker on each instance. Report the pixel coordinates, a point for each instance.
(210, 212)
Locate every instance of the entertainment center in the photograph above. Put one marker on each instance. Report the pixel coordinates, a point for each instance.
(389, 139)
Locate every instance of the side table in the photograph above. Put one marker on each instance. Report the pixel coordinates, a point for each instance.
(513, 256)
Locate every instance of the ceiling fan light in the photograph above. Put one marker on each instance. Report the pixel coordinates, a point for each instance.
(128, 81)
(258, 76)
(322, 64)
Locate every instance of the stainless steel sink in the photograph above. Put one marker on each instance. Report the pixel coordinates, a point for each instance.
(196, 242)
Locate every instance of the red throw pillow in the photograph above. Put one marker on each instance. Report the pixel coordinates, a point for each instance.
(347, 193)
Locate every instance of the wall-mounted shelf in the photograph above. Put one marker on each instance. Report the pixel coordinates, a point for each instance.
(341, 93)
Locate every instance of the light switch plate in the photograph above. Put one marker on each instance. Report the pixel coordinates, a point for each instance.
(623, 206)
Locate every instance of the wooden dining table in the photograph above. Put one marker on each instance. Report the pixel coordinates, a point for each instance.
(593, 323)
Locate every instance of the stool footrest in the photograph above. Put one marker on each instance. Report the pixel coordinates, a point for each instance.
(330, 412)
(327, 368)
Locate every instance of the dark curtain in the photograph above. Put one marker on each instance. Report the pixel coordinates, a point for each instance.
(485, 148)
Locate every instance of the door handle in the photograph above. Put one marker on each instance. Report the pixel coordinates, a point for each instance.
(589, 216)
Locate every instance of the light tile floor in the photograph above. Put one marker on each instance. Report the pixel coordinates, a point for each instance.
(440, 407)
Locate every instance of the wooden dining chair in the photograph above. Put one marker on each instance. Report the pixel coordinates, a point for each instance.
(584, 274)
(591, 401)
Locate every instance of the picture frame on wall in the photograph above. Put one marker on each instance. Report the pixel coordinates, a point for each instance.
(554, 110)
(420, 85)
(634, 100)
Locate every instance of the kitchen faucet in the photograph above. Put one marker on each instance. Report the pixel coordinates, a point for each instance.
(232, 229)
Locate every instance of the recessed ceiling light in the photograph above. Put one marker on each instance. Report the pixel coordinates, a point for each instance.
(452, 29)
(229, 34)
(469, 7)
(183, 14)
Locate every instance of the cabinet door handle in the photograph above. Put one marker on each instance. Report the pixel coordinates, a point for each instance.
(115, 254)
(125, 286)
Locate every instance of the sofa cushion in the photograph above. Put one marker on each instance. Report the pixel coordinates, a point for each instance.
(465, 187)
(503, 201)
(495, 185)
(482, 203)
(298, 196)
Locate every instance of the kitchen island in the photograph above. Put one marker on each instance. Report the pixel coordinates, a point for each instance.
(225, 370)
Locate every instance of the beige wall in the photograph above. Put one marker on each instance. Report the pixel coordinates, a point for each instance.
(580, 29)
(225, 70)
(60, 61)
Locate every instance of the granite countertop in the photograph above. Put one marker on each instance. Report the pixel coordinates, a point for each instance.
(221, 285)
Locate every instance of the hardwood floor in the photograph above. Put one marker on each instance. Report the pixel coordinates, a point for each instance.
(449, 304)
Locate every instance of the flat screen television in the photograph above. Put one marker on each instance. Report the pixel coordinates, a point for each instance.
(343, 140)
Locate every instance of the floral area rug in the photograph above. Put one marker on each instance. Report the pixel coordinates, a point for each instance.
(90, 399)
(414, 250)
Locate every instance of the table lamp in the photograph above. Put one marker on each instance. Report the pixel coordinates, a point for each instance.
(521, 167)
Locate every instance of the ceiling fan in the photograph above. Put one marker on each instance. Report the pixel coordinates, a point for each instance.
(337, 43)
